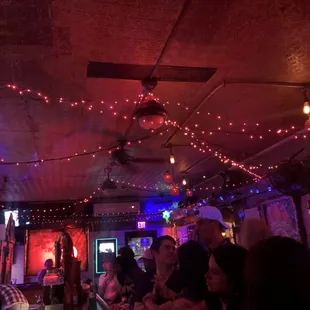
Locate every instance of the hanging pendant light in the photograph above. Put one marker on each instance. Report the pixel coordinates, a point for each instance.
(306, 107)
(151, 115)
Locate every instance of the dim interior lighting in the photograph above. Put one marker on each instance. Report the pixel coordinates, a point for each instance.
(75, 252)
(172, 159)
(306, 108)
(132, 207)
(184, 181)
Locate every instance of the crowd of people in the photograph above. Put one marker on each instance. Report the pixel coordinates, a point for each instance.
(261, 273)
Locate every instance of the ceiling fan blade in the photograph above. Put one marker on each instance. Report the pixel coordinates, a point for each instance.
(148, 160)
(140, 72)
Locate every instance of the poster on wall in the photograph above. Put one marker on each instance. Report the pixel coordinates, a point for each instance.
(38, 252)
(281, 218)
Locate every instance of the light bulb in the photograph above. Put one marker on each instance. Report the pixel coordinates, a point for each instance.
(306, 108)
(184, 181)
(172, 159)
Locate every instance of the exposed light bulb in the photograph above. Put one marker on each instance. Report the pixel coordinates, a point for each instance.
(306, 108)
(184, 181)
(172, 159)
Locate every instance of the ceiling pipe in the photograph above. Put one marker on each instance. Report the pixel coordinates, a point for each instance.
(162, 53)
(259, 154)
(231, 82)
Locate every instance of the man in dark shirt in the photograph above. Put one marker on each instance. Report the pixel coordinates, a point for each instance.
(165, 274)
(210, 226)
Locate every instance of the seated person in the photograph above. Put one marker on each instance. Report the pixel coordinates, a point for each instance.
(109, 288)
(11, 298)
(48, 266)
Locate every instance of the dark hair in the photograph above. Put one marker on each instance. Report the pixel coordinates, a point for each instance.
(108, 257)
(48, 261)
(126, 252)
(277, 275)
(158, 241)
(231, 260)
(193, 267)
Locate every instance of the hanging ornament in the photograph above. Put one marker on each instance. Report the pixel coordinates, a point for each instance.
(166, 216)
(174, 191)
(168, 178)
(189, 193)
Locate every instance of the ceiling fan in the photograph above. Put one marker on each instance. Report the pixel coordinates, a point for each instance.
(136, 72)
(108, 184)
(121, 157)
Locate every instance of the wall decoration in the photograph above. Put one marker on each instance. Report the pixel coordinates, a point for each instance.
(280, 215)
(38, 252)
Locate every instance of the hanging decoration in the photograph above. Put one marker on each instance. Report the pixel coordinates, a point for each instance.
(168, 179)
(166, 216)
(189, 193)
(174, 191)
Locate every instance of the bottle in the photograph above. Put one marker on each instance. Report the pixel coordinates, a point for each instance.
(75, 296)
(92, 303)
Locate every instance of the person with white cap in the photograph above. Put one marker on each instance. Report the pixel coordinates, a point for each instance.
(210, 226)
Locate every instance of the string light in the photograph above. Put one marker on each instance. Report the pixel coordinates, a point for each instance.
(102, 107)
(68, 158)
(172, 159)
(184, 181)
(203, 147)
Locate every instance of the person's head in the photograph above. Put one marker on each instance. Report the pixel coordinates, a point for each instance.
(252, 231)
(127, 253)
(163, 250)
(226, 265)
(192, 259)
(148, 260)
(210, 224)
(277, 275)
(49, 264)
(108, 261)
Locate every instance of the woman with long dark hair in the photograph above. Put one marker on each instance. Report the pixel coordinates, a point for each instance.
(225, 276)
(192, 268)
(277, 275)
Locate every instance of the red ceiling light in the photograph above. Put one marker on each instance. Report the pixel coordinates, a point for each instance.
(189, 193)
(151, 115)
(174, 191)
(168, 178)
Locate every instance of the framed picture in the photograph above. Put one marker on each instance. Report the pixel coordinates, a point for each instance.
(104, 247)
(280, 215)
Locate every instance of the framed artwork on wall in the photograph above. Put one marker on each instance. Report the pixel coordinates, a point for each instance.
(280, 215)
